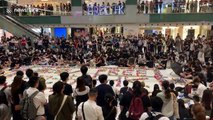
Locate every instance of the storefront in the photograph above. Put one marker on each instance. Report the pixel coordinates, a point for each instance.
(182, 30)
(46, 31)
(174, 6)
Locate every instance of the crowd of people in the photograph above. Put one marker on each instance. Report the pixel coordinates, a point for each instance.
(176, 6)
(104, 8)
(151, 50)
(41, 10)
(26, 99)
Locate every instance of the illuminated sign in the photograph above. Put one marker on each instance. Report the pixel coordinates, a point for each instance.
(105, 10)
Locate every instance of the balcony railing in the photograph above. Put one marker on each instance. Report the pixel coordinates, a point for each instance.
(175, 7)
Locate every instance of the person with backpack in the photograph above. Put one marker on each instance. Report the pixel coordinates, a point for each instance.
(155, 114)
(32, 105)
(170, 105)
(134, 103)
(87, 78)
(60, 106)
(109, 110)
(124, 89)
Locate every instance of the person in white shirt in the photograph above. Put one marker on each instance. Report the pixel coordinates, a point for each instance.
(39, 99)
(89, 110)
(198, 88)
(157, 104)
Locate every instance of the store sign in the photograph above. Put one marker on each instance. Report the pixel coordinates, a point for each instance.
(104, 10)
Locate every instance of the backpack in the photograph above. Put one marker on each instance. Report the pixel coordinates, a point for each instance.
(28, 108)
(136, 108)
(151, 117)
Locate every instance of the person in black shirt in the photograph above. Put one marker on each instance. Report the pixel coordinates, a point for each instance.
(103, 89)
(127, 98)
(156, 90)
(183, 112)
(67, 88)
(109, 110)
(172, 88)
(87, 78)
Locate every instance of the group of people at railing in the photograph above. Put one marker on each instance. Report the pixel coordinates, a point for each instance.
(41, 10)
(176, 6)
(143, 7)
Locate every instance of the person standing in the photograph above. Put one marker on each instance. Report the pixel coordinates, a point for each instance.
(103, 89)
(60, 106)
(89, 109)
(17, 88)
(67, 88)
(87, 78)
(39, 99)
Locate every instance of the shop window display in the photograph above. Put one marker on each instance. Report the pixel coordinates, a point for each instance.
(174, 6)
(103, 7)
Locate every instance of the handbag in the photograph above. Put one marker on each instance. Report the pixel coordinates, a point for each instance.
(62, 104)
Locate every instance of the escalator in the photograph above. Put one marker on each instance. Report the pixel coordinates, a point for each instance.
(16, 28)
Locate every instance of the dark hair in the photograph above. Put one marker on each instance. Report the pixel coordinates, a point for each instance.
(156, 87)
(196, 80)
(196, 98)
(29, 73)
(111, 82)
(156, 103)
(2, 79)
(33, 81)
(84, 69)
(80, 84)
(102, 78)
(125, 83)
(181, 103)
(172, 86)
(57, 87)
(165, 85)
(35, 74)
(16, 84)
(202, 78)
(64, 76)
(93, 92)
(20, 73)
(3, 99)
(94, 82)
(137, 88)
(207, 99)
